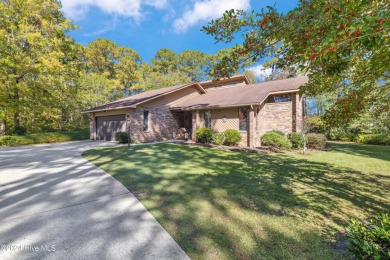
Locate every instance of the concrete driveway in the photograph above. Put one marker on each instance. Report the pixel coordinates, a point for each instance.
(56, 205)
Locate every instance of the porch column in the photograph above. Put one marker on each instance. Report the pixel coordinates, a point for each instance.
(92, 126)
(294, 112)
(251, 128)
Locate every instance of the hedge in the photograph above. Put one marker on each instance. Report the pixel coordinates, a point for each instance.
(48, 137)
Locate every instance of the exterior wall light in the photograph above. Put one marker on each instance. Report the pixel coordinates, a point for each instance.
(224, 119)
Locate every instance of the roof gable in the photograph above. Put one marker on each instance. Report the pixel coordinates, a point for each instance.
(134, 101)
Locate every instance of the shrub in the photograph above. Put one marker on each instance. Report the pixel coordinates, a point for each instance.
(277, 132)
(370, 240)
(315, 124)
(380, 139)
(344, 134)
(48, 137)
(232, 137)
(20, 130)
(316, 141)
(204, 135)
(297, 140)
(275, 140)
(218, 138)
(8, 141)
(122, 137)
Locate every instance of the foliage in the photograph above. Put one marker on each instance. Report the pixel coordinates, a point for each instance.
(36, 58)
(250, 75)
(297, 140)
(232, 137)
(218, 138)
(343, 45)
(7, 140)
(316, 141)
(277, 132)
(269, 206)
(275, 139)
(380, 139)
(204, 135)
(314, 124)
(344, 133)
(122, 137)
(370, 240)
(20, 130)
(49, 137)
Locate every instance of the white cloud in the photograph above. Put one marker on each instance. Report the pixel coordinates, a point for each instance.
(206, 10)
(77, 9)
(261, 72)
(109, 26)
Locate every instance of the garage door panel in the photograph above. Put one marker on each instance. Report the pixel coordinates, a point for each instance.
(107, 126)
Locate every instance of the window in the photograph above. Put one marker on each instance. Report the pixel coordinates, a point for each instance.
(207, 119)
(279, 98)
(146, 120)
(243, 119)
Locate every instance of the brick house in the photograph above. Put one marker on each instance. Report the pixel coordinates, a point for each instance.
(177, 111)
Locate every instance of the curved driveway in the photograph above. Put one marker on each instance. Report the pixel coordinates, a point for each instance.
(56, 205)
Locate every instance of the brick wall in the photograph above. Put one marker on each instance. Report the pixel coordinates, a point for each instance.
(275, 116)
(162, 124)
(284, 116)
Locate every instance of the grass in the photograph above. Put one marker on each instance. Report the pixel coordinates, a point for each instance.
(48, 137)
(221, 204)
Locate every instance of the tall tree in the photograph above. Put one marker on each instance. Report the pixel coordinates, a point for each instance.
(33, 53)
(344, 46)
(165, 61)
(195, 64)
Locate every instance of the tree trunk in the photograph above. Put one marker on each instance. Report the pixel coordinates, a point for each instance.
(2, 127)
(16, 120)
(16, 114)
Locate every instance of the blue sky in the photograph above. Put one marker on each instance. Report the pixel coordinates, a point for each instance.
(149, 25)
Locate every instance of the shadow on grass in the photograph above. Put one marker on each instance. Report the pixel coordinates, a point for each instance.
(219, 204)
(372, 151)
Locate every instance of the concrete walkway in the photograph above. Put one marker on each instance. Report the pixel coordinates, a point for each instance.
(56, 205)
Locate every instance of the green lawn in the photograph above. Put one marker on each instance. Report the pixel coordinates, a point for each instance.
(221, 204)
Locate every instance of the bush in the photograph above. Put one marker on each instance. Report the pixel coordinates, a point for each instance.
(8, 141)
(277, 132)
(370, 240)
(20, 130)
(315, 124)
(297, 140)
(232, 137)
(204, 135)
(316, 141)
(49, 137)
(380, 139)
(344, 134)
(275, 140)
(218, 138)
(122, 137)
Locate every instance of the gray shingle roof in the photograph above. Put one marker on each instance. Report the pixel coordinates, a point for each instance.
(231, 96)
(227, 96)
(136, 99)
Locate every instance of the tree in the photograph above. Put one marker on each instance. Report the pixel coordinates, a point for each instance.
(165, 61)
(195, 64)
(154, 80)
(33, 58)
(127, 69)
(342, 45)
(250, 75)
